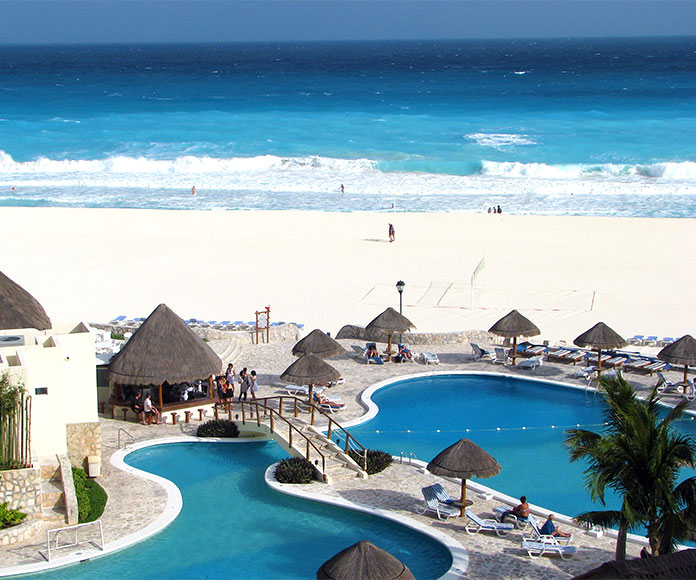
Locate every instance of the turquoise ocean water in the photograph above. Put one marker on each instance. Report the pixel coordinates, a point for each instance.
(598, 127)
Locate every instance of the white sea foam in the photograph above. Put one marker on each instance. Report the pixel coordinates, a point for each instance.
(500, 141)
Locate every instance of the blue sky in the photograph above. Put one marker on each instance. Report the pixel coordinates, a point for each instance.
(61, 21)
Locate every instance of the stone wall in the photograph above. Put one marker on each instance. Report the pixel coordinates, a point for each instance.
(84, 439)
(21, 489)
(466, 336)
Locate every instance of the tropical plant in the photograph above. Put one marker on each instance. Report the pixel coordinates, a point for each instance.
(15, 418)
(638, 456)
(218, 428)
(91, 497)
(377, 460)
(294, 470)
(10, 517)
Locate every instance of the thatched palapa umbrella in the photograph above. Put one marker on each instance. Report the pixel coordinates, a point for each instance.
(163, 349)
(680, 352)
(390, 321)
(512, 325)
(309, 370)
(19, 309)
(464, 459)
(675, 566)
(599, 337)
(364, 561)
(319, 344)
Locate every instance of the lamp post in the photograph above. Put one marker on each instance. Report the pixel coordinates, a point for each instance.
(400, 287)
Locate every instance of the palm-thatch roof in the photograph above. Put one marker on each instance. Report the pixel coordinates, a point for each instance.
(163, 349)
(680, 352)
(308, 370)
(319, 344)
(600, 336)
(514, 324)
(364, 561)
(675, 566)
(464, 459)
(19, 309)
(391, 321)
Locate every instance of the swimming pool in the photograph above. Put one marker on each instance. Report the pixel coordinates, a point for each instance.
(233, 526)
(519, 422)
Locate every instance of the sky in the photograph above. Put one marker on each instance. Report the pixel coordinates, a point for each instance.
(133, 21)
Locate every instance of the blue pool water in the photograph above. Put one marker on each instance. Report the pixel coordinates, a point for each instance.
(233, 526)
(534, 461)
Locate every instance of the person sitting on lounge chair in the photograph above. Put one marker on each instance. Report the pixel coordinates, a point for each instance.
(324, 402)
(404, 352)
(373, 355)
(549, 529)
(520, 511)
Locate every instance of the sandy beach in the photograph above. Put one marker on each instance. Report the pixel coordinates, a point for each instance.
(329, 269)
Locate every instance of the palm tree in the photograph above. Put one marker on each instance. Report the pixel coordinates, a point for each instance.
(638, 456)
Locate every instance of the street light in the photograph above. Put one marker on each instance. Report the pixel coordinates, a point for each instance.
(400, 287)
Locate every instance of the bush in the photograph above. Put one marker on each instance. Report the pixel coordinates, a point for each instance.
(218, 428)
(294, 470)
(9, 518)
(91, 497)
(377, 460)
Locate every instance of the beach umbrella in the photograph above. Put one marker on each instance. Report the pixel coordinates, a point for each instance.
(390, 321)
(680, 352)
(512, 325)
(464, 459)
(309, 370)
(19, 309)
(319, 344)
(364, 561)
(163, 349)
(681, 564)
(599, 337)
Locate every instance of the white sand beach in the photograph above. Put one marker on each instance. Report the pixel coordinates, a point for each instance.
(330, 269)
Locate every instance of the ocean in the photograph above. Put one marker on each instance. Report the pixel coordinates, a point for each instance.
(558, 127)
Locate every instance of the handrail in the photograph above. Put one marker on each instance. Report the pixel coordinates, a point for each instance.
(127, 433)
(272, 412)
(351, 442)
(74, 543)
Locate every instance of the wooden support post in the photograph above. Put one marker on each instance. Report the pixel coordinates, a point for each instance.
(200, 414)
(188, 416)
(216, 412)
(102, 406)
(111, 408)
(149, 419)
(229, 411)
(125, 413)
(174, 416)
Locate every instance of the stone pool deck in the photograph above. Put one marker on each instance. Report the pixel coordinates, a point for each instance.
(135, 503)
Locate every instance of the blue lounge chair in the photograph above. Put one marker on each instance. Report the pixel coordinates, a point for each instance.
(480, 353)
(372, 359)
(432, 504)
(478, 524)
(442, 495)
(119, 319)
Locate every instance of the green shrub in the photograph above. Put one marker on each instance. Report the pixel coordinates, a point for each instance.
(83, 504)
(117, 336)
(218, 428)
(9, 518)
(294, 470)
(377, 460)
(91, 497)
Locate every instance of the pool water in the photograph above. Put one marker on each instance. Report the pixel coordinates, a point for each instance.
(425, 415)
(233, 526)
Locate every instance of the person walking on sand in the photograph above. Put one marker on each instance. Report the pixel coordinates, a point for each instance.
(193, 190)
(343, 189)
(392, 233)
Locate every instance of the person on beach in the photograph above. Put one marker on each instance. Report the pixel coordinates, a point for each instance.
(500, 210)
(231, 376)
(343, 189)
(520, 511)
(550, 529)
(392, 233)
(243, 384)
(136, 406)
(253, 385)
(151, 411)
(193, 190)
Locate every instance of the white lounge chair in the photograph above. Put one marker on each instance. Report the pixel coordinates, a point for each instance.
(295, 390)
(429, 358)
(531, 363)
(478, 524)
(501, 356)
(520, 522)
(480, 353)
(537, 536)
(432, 504)
(538, 549)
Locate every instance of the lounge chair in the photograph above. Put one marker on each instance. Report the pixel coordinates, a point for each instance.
(615, 361)
(537, 536)
(565, 355)
(646, 366)
(501, 356)
(592, 358)
(664, 387)
(650, 340)
(478, 524)
(519, 521)
(480, 353)
(432, 504)
(429, 358)
(636, 339)
(537, 549)
(531, 363)
(405, 348)
(295, 390)
(358, 351)
(372, 359)
(442, 495)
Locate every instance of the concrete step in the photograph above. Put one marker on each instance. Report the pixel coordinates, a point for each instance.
(55, 515)
(335, 475)
(52, 494)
